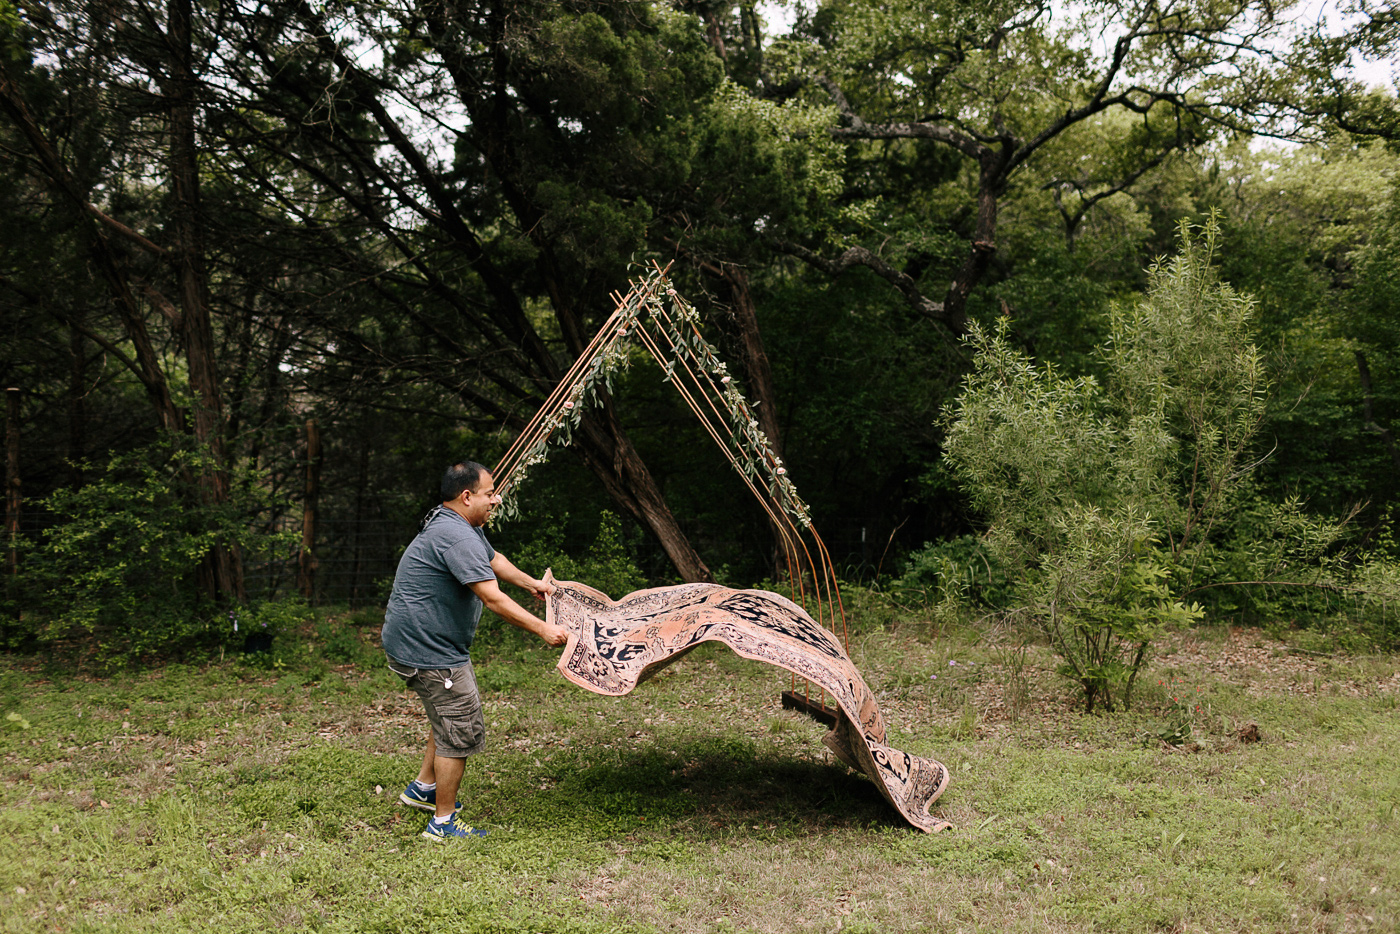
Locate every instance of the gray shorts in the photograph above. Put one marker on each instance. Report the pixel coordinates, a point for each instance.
(459, 729)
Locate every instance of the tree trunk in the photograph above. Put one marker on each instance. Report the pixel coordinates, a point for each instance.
(77, 408)
(357, 535)
(991, 182)
(604, 444)
(1364, 372)
(758, 378)
(224, 564)
(758, 372)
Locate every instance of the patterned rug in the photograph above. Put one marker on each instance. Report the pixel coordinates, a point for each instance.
(616, 645)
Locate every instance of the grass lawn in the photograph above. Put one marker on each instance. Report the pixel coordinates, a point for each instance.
(240, 797)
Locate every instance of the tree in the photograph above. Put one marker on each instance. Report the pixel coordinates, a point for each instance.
(998, 84)
(557, 109)
(1371, 327)
(1325, 62)
(1299, 226)
(145, 75)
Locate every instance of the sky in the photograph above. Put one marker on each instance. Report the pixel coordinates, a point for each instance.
(1385, 73)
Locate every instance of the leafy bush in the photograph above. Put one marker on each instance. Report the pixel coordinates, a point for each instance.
(961, 570)
(258, 627)
(606, 565)
(116, 576)
(1114, 510)
(1330, 594)
(1102, 503)
(341, 643)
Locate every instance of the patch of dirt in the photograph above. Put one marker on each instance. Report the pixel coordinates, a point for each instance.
(1265, 666)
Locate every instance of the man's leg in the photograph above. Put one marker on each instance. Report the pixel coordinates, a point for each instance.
(449, 777)
(453, 707)
(426, 775)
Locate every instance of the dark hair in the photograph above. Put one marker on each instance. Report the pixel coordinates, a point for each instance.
(459, 478)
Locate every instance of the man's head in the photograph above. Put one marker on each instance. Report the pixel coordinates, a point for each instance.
(468, 490)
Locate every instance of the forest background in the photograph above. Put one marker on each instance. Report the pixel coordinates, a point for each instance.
(267, 268)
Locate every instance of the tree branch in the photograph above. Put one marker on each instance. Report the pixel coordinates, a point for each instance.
(860, 256)
(965, 144)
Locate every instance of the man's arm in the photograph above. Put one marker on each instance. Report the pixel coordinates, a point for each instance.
(503, 606)
(513, 575)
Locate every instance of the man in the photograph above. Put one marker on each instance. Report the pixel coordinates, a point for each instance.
(447, 574)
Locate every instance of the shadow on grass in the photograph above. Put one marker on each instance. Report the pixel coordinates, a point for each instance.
(708, 786)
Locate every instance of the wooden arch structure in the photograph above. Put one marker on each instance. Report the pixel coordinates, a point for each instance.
(655, 317)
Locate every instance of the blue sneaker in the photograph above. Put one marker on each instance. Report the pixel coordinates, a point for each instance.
(441, 833)
(416, 797)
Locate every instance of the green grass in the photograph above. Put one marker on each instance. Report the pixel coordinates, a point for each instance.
(246, 797)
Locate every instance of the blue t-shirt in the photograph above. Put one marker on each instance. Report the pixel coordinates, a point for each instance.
(432, 614)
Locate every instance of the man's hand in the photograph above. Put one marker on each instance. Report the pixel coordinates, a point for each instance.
(555, 636)
(542, 589)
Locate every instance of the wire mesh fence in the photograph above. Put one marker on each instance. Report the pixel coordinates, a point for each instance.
(354, 563)
(355, 559)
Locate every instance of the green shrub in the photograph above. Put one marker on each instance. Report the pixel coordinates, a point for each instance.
(1102, 504)
(1114, 510)
(272, 618)
(607, 564)
(116, 577)
(341, 643)
(961, 569)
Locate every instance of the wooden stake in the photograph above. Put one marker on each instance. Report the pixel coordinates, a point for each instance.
(12, 488)
(306, 566)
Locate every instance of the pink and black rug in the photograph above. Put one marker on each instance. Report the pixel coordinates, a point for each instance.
(615, 645)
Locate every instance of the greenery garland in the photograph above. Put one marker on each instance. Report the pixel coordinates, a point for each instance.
(646, 306)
